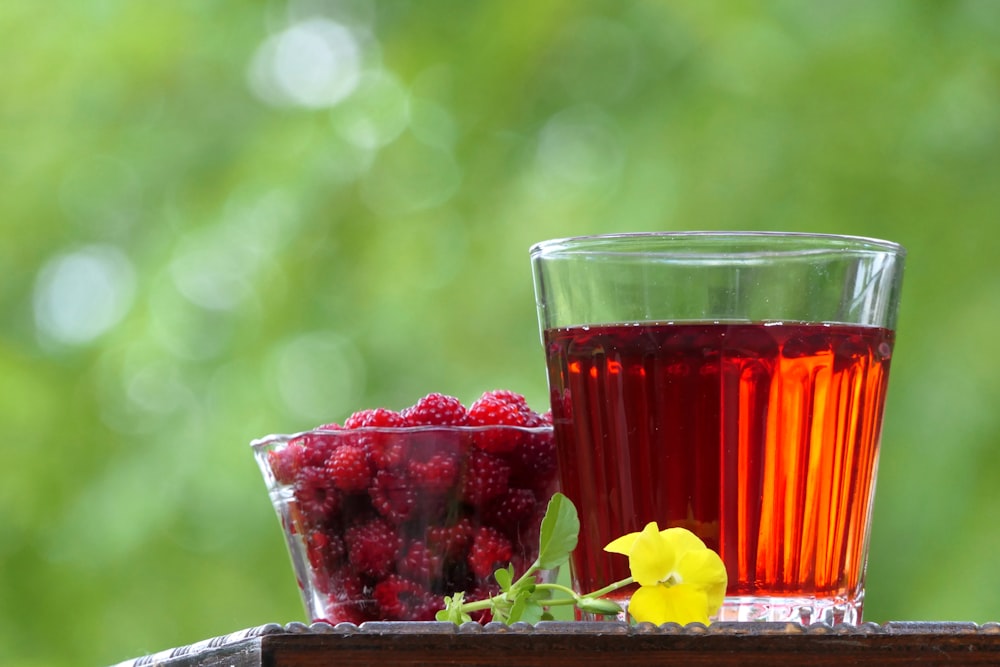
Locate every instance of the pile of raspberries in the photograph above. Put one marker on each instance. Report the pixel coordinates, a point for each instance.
(394, 510)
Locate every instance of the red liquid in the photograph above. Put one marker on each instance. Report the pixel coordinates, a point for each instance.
(761, 439)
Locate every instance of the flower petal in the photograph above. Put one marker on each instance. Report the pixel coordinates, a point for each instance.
(623, 544)
(675, 604)
(704, 570)
(651, 558)
(682, 540)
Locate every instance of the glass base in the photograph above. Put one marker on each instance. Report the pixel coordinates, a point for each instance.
(804, 610)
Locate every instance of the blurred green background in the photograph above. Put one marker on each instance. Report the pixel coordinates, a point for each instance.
(226, 219)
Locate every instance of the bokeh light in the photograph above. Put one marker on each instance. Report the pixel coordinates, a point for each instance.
(81, 294)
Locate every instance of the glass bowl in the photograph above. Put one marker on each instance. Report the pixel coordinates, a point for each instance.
(382, 523)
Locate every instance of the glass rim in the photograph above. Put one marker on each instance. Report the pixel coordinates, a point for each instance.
(281, 438)
(628, 243)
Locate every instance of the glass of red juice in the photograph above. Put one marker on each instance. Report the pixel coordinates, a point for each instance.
(732, 383)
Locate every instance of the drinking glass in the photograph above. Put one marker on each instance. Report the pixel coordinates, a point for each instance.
(728, 383)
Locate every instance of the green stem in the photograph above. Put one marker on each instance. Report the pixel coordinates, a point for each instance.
(610, 588)
(477, 605)
(572, 599)
(574, 596)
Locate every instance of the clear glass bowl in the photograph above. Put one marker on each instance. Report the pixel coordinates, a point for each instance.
(382, 523)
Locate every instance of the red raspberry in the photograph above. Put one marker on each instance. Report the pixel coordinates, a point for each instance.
(349, 600)
(393, 496)
(420, 563)
(346, 612)
(346, 586)
(536, 419)
(387, 450)
(451, 541)
(425, 442)
(437, 474)
(493, 411)
(498, 408)
(372, 548)
(287, 462)
(435, 410)
(533, 464)
(324, 552)
(318, 446)
(485, 477)
(332, 426)
(349, 468)
(400, 599)
(316, 494)
(509, 397)
(374, 418)
(490, 550)
(513, 511)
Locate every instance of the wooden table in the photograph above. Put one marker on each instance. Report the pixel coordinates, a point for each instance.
(564, 644)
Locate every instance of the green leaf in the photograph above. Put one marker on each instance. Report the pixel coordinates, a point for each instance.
(559, 533)
(501, 608)
(504, 577)
(453, 610)
(516, 611)
(529, 612)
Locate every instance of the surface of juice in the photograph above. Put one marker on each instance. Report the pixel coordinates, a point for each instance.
(761, 438)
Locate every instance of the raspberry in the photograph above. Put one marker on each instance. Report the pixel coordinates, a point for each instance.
(512, 511)
(495, 410)
(346, 612)
(437, 474)
(533, 463)
(485, 477)
(374, 418)
(372, 548)
(400, 599)
(317, 497)
(332, 426)
(535, 419)
(490, 550)
(387, 450)
(346, 586)
(425, 442)
(392, 496)
(349, 469)
(318, 447)
(509, 397)
(451, 541)
(286, 462)
(435, 410)
(349, 600)
(500, 407)
(324, 552)
(420, 563)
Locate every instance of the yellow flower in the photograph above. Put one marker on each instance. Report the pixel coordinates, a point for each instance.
(680, 579)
